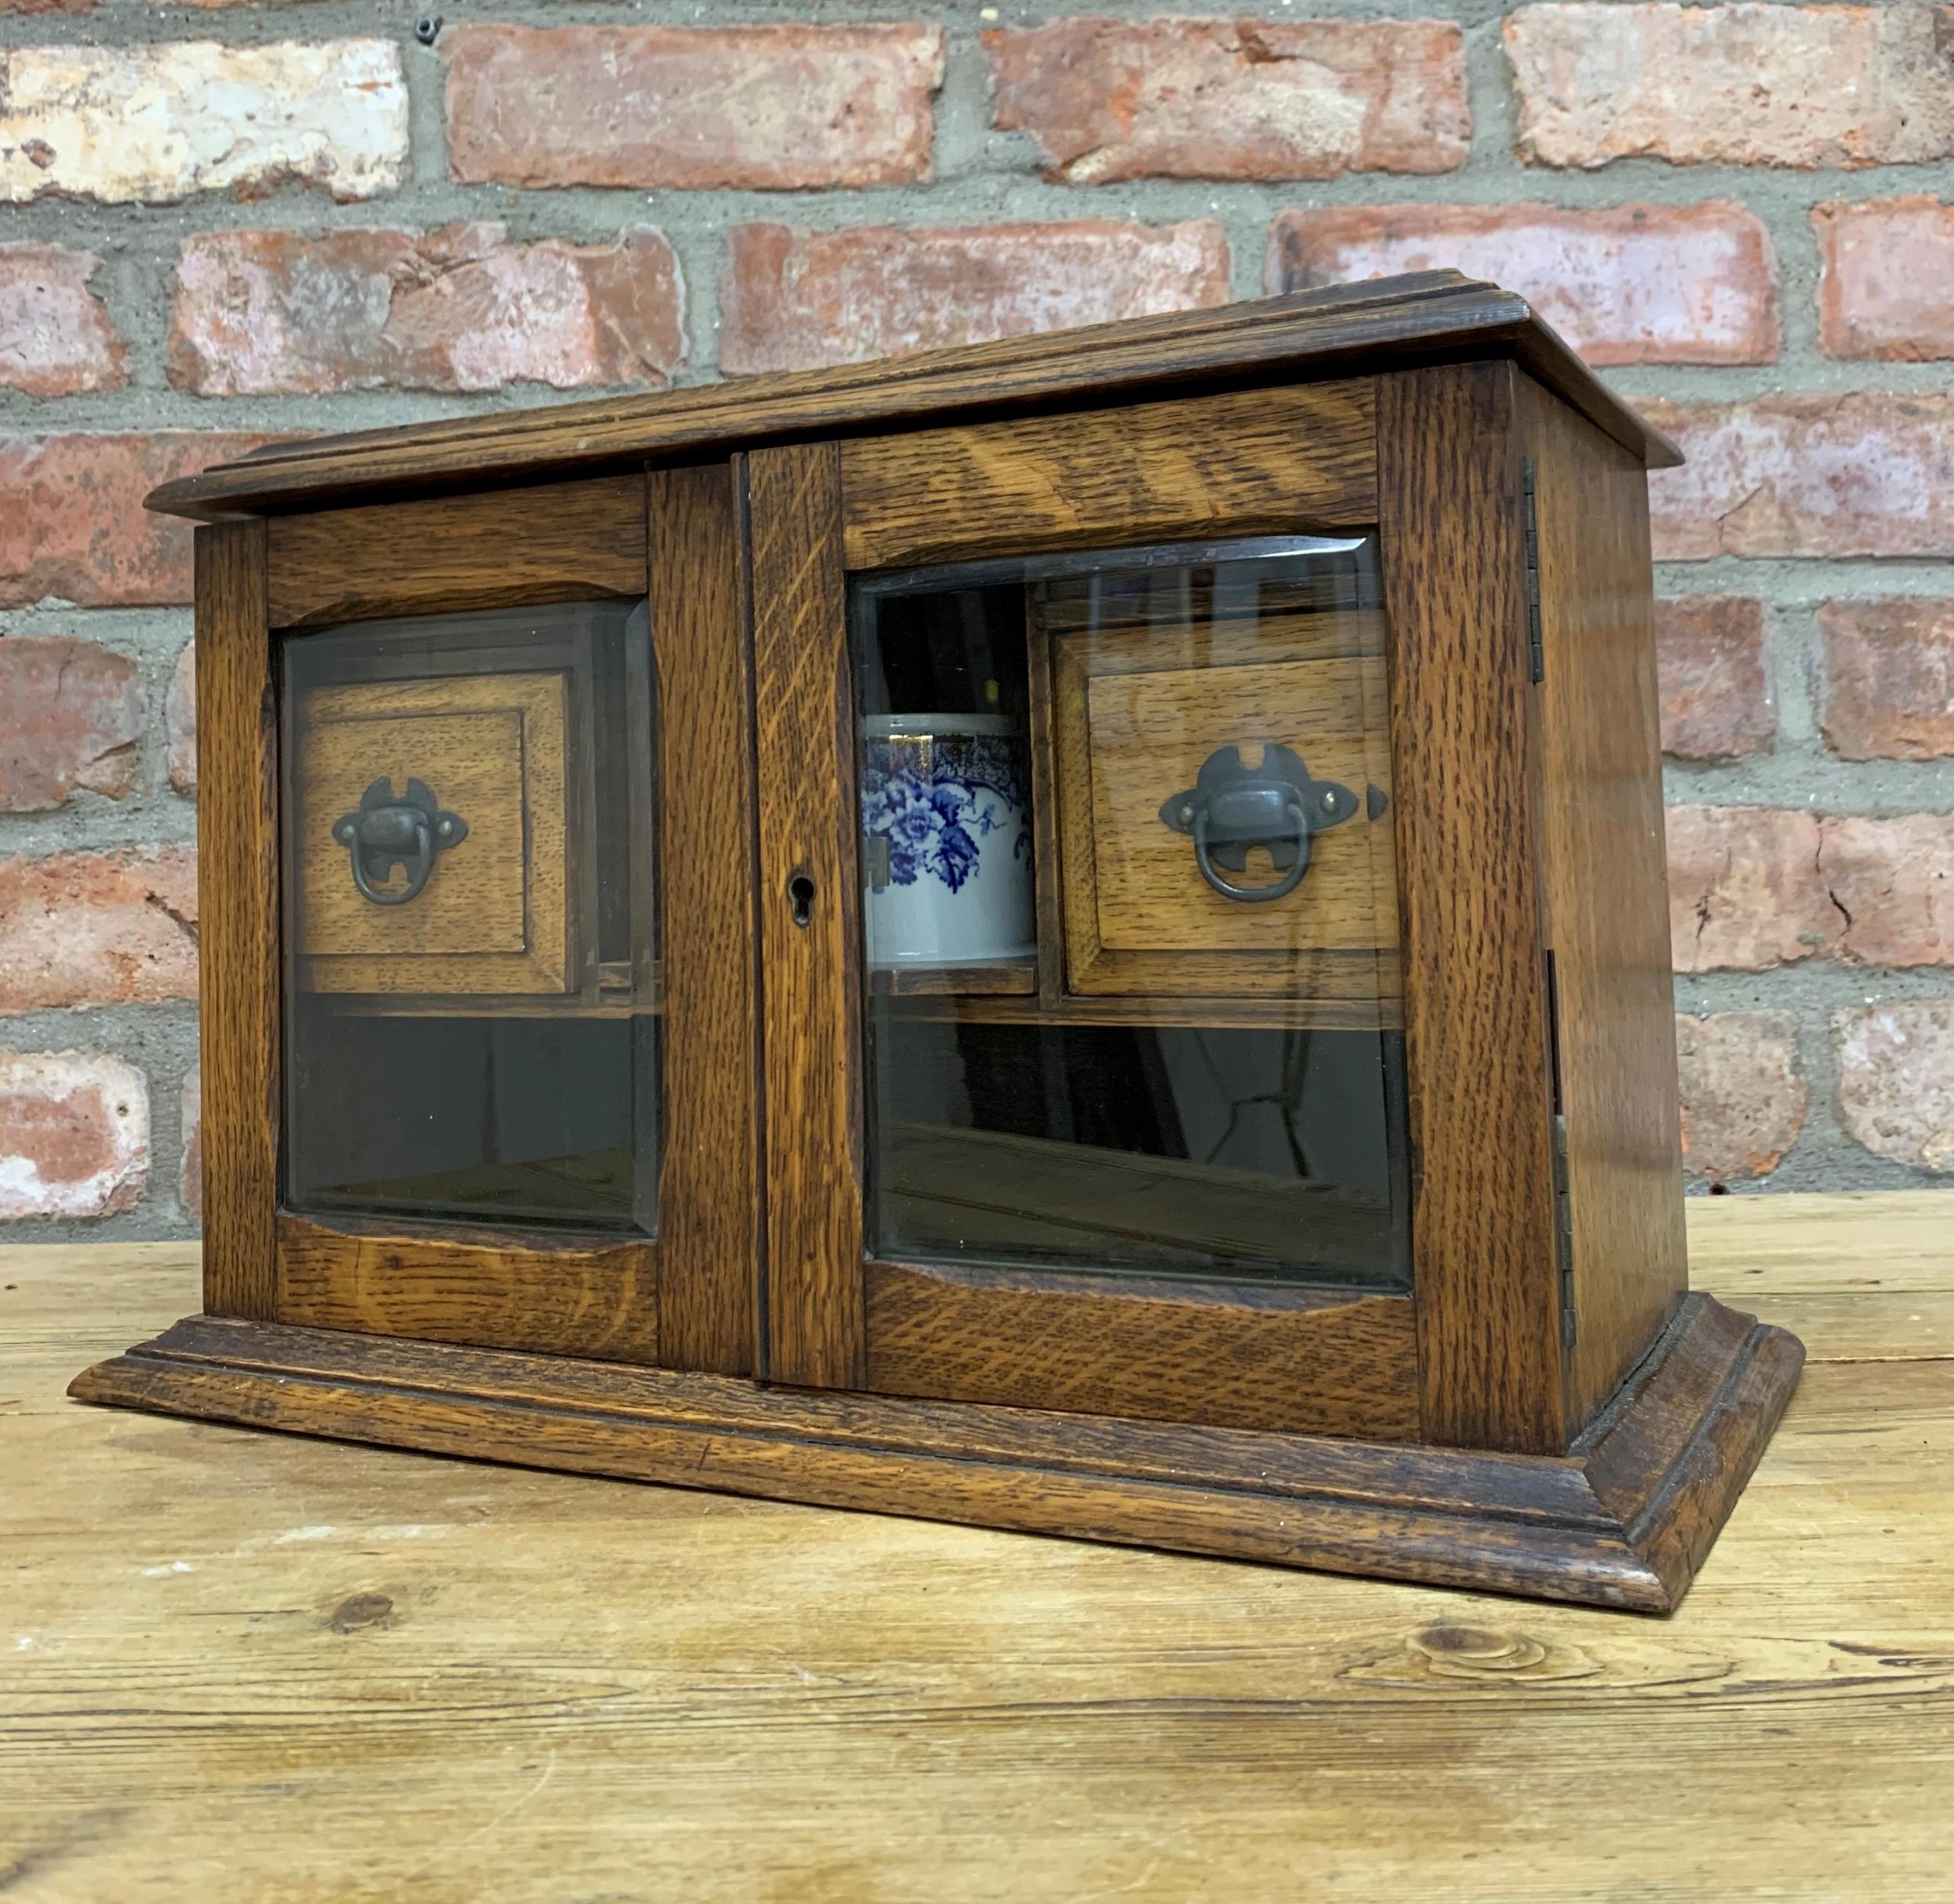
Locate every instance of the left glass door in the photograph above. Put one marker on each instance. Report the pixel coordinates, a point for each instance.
(472, 1028)
(508, 817)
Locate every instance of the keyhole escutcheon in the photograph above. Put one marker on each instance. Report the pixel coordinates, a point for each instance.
(801, 897)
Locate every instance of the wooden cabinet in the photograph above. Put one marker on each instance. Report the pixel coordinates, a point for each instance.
(1069, 935)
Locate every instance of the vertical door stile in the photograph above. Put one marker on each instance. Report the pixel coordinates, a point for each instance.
(710, 1188)
(809, 935)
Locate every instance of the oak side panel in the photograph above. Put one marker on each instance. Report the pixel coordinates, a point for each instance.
(1226, 1359)
(238, 952)
(709, 1237)
(1607, 898)
(1475, 1032)
(1236, 464)
(811, 1005)
(489, 1288)
(502, 548)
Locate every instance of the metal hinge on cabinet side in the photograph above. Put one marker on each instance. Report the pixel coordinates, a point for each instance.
(1563, 1207)
(1536, 642)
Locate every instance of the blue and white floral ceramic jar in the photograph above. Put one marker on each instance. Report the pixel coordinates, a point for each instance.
(946, 822)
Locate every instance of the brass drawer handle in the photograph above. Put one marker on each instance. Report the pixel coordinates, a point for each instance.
(1232, 807)
(383, 832)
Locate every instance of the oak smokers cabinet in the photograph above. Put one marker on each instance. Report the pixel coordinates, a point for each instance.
(1067, 934)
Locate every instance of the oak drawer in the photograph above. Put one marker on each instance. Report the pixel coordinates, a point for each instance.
(1135, 719)
(491, 914)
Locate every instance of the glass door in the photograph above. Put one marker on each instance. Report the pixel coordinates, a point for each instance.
(1102, 962)
(1186, 1061)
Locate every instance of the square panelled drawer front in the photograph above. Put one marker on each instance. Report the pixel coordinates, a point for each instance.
(492, 750)
(1136, 713)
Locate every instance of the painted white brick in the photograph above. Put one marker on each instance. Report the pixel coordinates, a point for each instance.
(155, 123)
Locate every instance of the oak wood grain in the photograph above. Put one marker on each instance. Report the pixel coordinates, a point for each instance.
(1226, 1358)
(490, 1287)
(570, 541)
(1229, 464)
(1675, 1456)
(1475, 1025)
(495, 916)
(1339, 331)
(1606, 896)
(239, 952)
(711, 1236)
(811, 1004)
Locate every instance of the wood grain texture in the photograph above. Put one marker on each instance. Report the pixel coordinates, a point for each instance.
(495, 916)
(238, 951)
(812, 1007)
(710, 1236)
(1225, 1357)
(570, 541)
(1537, 1527)
(490, 1287)
(1148, 735)
(1606, 896)
(1343, 330)
(832, 1707)
(1233, 464)
(1475, 1024)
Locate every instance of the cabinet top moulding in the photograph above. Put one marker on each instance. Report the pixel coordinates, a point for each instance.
(1390, 324)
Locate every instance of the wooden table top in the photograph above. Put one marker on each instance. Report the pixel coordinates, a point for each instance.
(243, 1667)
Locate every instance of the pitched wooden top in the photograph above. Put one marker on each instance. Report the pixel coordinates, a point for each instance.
(1424, 317)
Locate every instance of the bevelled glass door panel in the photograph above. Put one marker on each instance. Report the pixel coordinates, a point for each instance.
(471, 953)
(1129, 915)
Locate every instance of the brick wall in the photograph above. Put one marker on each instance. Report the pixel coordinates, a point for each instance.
(228, 221)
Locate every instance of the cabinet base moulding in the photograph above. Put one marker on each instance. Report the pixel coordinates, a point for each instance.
(1623, 1519)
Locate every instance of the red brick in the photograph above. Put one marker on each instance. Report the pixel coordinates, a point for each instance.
(1892, 880)
(55, 336)
(790, 300)
(1747, 84)
(1110, 99)
(71, 715)
(1635, 284)
(1896, 1080)
(1743, 889)
(1886, 279)
(1744, 1103)
(180, 721)
(1858, 474)
(74, 1134)
(766, 108)
(190, 1166)
(1889, 690)
(459, 308)
(99, 928)
(72, 523)
(1717, 698)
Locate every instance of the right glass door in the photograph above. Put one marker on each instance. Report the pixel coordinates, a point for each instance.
(1129, 916)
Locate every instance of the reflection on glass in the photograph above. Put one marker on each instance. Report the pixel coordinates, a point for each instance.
(1136, 1012)
(470, 926)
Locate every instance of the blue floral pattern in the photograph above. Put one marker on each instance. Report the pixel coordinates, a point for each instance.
(926, 794)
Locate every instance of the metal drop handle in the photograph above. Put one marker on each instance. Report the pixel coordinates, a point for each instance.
(385, 831)
(1232, 807)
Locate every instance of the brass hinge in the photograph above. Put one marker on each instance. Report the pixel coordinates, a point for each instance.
(1536, 642)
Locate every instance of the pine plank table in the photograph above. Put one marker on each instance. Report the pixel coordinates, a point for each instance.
(237, 1666)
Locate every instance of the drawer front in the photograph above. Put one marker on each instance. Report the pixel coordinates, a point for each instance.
(1136, 719)
(491, 913)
